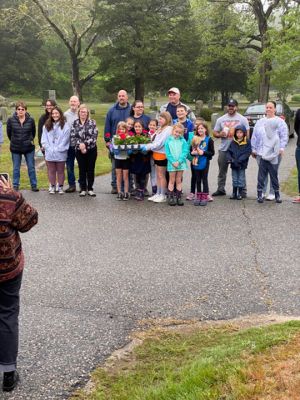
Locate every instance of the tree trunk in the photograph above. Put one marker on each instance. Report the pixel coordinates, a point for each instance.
(264, 82)
(77, 89)
(224, 98)
(139, 85)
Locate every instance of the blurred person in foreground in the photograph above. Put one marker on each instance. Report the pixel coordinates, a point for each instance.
(15, 216)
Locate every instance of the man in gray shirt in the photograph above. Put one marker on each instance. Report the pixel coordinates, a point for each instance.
(224, 129)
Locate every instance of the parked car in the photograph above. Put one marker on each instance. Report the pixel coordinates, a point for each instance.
(255, 111)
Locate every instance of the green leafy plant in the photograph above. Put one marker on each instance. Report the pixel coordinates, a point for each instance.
(138, 139)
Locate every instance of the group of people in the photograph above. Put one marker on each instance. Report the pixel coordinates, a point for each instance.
(62, 138)
(178, 138)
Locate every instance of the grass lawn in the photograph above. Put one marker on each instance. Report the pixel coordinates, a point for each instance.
(212, 363)
(290, 186)
(103, 164)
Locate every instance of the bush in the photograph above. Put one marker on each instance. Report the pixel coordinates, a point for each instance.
(296, 98)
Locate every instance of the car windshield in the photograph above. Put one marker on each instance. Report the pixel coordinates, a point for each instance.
(261, 109)
(256, 109)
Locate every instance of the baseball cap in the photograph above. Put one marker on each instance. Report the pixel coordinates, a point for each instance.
(232, 102)
(174, 90)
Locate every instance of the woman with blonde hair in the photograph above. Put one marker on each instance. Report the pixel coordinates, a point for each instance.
(84, 135)
(159, 155)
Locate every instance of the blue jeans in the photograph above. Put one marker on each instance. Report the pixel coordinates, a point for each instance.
(16, 159)
(265, 188)
(113, 173)
(298, 165)
(70, 166)
(238, 178)
(265, 168)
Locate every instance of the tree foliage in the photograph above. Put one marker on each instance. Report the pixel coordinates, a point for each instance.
(222, 66)
(149, 44)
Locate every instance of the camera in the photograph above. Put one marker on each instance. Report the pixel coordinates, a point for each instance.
(4, 175)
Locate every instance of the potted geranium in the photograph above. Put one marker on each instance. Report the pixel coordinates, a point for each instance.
(120, 141)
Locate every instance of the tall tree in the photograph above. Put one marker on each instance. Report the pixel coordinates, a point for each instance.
(222, 66)
(149, 42)
(285, 51)
(20, 70)
(259, 40)
(74, 26)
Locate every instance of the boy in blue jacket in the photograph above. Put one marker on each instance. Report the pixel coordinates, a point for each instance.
(238, 155)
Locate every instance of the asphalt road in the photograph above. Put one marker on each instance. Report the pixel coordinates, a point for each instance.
(95, 267)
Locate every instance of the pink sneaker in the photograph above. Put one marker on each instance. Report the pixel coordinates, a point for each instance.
(190, 197)
(210, 198)
(296, 200)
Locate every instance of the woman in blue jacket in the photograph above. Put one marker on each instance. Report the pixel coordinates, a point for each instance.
(56, 142)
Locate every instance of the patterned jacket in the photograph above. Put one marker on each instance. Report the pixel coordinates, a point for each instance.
(86, 133)
(15, 216)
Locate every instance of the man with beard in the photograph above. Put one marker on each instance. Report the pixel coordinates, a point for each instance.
(224, 129)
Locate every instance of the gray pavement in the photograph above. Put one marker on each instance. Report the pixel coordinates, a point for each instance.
(95, 267)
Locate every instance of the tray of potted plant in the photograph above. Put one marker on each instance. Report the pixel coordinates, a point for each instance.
(130, 142)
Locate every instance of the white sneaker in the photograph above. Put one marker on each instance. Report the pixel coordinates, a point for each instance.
(161, 198)
(50, 187)
(270, 197)
(52, 190)
(91, 193)
(57, 187)
(60, 189)
(152, 198)
(82, 193)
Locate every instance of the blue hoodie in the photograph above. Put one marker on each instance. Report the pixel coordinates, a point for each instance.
(115, 114)
(56, 142)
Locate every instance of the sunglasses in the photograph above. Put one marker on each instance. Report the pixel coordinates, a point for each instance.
(20, 109)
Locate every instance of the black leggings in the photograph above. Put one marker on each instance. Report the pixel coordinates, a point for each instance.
(193, 179)
(86, 164)
(201, 177)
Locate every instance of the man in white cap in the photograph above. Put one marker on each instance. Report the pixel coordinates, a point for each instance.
(174, 101)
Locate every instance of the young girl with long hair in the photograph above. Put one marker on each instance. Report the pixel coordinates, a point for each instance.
(140, 163)
(49, 105)
(159, 155)
(152, 126)
(122, 163)
(56, 141)
(202, 149)
(176, 151)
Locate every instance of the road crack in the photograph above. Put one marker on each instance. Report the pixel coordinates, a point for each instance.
(261, 275)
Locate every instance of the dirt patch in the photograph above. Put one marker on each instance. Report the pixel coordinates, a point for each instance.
(276, 374)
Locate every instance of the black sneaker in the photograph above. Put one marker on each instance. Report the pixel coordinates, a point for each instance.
(35, 189)
(71, 189)
(119, 196)
(126, 197)
(219, 193)
(10, 381)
